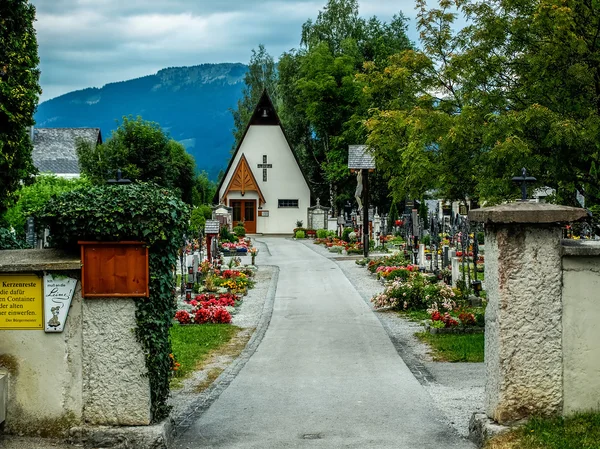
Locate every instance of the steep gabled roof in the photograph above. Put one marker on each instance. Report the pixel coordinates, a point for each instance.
(264, 114)
(243, 179)
(54, 149)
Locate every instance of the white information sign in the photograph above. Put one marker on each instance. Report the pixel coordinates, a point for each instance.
(58, 293)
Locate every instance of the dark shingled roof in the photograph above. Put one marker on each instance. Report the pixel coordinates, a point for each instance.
(359, 159)
(54, 148)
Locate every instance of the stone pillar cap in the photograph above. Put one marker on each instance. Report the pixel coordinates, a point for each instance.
(526, 212)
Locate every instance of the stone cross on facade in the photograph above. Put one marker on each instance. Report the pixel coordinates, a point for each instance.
(264, 166)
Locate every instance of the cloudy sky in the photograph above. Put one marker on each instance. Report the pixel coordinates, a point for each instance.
(88, 43)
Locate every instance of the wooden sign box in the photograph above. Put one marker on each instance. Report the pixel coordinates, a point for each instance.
(114, 269)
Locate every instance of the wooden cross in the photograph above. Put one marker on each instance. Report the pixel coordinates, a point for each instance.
(264, 166)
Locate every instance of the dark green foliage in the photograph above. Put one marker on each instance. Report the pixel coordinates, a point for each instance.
(226, 236)
(239, 231)
(8, 240)
(188, 101)
(19, 94)
(198, 218)
(346, 234)
(143, 152)
(481, 238)
(393, 216)
(143, 212)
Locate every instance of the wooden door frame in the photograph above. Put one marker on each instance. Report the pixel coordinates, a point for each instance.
(243, 202)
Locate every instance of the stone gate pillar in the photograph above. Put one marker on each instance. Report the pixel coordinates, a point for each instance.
(523, 319)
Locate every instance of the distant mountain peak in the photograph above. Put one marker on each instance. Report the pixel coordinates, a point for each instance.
(192, 103)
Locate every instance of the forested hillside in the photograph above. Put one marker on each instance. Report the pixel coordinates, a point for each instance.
(190, 103)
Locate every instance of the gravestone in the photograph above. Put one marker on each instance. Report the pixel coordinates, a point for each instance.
(455, 270)
(422, 261)
(445, 253)
(317, 216)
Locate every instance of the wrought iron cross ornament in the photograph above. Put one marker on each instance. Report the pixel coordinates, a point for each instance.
(264, 166)
(524, 180)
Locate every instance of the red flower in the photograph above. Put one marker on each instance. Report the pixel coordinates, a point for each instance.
(203, 316)
(183, 317)
(220, 315)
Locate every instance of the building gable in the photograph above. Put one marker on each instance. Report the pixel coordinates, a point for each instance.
(264, 115)
(243, 180)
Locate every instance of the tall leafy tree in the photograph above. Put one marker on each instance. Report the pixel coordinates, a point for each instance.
(143, 152)
(261, 75)
(536, 67)
(19, 94)
(323, 104)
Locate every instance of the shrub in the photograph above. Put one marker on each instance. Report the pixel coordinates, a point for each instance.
(426, 240)
(300, 234)
(31, 198)
(226, 236)
(239, 231)
(346, 234)
(322, 233)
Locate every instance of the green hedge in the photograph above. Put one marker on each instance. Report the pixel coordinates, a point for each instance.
(142, 212)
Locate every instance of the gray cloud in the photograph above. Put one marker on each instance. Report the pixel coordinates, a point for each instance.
(88, 43)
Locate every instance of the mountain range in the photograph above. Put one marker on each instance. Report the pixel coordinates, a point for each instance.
(191, 104)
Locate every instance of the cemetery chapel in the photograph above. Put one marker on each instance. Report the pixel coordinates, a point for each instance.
(264, 184)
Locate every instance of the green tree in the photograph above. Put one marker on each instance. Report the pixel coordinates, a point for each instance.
(261, 76)
(323, 104)
(19, 94)
(31, 198)
(143, 152)
(536, 68)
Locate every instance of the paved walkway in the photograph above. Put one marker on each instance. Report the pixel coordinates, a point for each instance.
(325, 375)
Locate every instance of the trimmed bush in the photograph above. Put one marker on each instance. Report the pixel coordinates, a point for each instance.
(300, 234)
(322, 233)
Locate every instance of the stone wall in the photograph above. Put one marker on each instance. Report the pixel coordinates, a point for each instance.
(92, 372)
(526, 349)
(523, 323)
(581, 329)
(116, 390)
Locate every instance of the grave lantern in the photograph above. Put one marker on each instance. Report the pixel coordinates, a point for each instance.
(211, 231)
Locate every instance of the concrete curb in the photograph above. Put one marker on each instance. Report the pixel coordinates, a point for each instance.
(161, 435)
(482, 428)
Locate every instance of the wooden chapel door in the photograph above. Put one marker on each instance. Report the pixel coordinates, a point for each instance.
(245, 210)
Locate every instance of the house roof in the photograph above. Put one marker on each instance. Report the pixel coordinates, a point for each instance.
(54, 149)
(359, 158)
(264, 114)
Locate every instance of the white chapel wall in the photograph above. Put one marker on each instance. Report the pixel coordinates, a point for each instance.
(284, 179)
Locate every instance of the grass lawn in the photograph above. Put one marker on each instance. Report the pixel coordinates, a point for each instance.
(454, 347)
(576, 432)
(192, 344)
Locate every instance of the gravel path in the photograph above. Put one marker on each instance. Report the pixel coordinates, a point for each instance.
(455, 388)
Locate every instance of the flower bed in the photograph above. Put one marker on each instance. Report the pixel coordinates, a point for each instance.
(207, 308)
